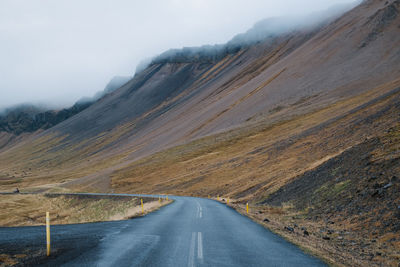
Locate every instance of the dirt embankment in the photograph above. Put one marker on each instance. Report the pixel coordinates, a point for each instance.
(346, 210)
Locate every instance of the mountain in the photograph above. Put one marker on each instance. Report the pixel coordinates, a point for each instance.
(30, 118)
(172, 103)
(21, 120)
(303, 123)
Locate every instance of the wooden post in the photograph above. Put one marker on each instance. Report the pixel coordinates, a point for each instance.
(48, 233)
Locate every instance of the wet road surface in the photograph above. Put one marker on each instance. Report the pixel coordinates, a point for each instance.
(188, 232)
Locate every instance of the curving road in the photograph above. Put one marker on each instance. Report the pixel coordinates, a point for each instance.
(188, 232)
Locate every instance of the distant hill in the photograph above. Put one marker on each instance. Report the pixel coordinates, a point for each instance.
(21, 119)
(30, 118)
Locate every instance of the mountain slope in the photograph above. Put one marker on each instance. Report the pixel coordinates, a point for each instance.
(261, 77)
(174, 102)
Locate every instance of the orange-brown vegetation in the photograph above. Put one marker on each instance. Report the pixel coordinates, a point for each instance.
(30, 209)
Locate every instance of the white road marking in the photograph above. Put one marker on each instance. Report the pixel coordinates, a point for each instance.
(191, 251)
(199, 210)
(199, 247)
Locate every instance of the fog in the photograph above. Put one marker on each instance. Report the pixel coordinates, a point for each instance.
(267, 28)
(56, 52)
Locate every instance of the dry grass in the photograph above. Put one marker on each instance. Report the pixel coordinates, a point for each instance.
(7, 260)
(26, 209)
(257, 160)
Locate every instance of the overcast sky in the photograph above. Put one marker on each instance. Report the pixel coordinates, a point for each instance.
(57, 51)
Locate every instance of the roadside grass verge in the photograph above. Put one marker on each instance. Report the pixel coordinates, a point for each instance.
(30, 209)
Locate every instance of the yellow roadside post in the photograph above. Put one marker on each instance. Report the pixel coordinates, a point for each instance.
(247, 208)
(218, 198)
(227, 201)
(208, 196)
(48, 233)
(167, 197)
(141, 203)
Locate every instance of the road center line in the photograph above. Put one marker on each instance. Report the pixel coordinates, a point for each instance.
(191, 251)
(199, 210)
(200, 247)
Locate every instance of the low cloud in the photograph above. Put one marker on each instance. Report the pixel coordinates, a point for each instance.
(266, 28)
(56, 52)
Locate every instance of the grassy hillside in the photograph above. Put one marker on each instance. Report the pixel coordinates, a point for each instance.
(262, 158)
(332, 172)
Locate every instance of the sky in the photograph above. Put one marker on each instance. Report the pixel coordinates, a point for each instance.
(55, 52)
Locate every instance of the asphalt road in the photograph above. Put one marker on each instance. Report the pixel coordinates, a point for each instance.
(188, 232)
